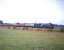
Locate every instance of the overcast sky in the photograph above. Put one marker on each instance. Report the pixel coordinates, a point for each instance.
(31, 11)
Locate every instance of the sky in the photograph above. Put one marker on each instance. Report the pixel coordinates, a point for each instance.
(30, 11)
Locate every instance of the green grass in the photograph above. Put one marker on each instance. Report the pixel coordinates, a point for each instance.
(26, 40)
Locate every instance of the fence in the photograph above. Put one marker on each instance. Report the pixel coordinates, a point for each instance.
(34, 29)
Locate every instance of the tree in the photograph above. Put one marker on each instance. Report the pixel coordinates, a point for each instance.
(1, 22)
(18, 23)
(51, 25)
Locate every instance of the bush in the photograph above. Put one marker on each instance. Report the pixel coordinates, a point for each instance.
(61, 30)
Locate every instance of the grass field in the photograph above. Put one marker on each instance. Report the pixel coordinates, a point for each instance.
(26, 40)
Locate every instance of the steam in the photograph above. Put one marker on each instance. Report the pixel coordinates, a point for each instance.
(2, 1)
